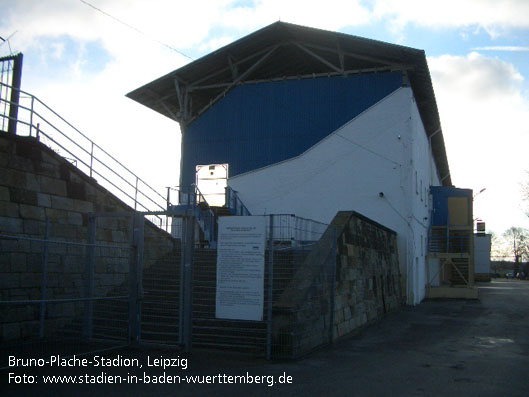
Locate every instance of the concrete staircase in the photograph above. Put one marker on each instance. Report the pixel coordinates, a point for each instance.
(160, 305)
(160, 308)
(209, 331)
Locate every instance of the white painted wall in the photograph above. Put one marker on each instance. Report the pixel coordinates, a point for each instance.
(380, 151)
(482, 253)
(424, 174)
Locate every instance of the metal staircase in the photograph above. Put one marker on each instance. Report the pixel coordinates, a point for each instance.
(193, 201)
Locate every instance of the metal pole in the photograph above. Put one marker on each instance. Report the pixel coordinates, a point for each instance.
(31, 115)
(91, 159)
(182, 275)
(333, 285)
(136, 195)
(135, 278)
(89, 274)
(139, 273)
(270, 288)
(44, 279)
(188, 279)
(15, 93)
(38, 131)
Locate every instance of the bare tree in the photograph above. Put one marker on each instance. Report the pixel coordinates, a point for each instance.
(500, 247)
(525, 194)
(518, 239)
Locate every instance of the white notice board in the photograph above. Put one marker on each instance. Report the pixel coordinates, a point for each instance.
(240, 267)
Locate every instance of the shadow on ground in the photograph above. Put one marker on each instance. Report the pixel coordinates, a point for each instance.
(438, 348)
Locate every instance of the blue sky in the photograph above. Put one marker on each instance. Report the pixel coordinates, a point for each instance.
(83, 62)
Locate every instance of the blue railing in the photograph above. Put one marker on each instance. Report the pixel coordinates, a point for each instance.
(192, 199)
(234, 203)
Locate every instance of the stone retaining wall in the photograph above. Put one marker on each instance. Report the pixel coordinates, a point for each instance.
(367, 272)
(37, 184)
(364, 274)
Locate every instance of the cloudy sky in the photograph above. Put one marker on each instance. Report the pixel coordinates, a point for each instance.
(82, 61)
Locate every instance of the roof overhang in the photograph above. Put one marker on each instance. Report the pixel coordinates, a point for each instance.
(283, 51)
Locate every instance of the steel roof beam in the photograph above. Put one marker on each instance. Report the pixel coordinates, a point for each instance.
(348, 54)
(316, 56)
(341, 56)
(308, 76)
(233, 66)
(237, 80)
(168, 110)
(227, 68)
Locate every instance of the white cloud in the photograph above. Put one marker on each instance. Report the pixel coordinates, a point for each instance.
(58, 50)
(502, 48)
(95, 101)
(332, 15)
(480, 99)
(216, 43)
(484, 116)
(494, 16)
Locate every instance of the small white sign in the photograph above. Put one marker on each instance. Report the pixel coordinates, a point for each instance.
(240, 267)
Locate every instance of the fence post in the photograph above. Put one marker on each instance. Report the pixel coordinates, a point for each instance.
(15, 93)
(136, 195)
(182, 283)
(333, 284)
(135, 278)
(188, 249)
(270, 288)
(44, 279)
(31, 115)
(91, 159)
(89, 277)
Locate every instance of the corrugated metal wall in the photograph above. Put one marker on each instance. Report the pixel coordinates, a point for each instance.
(440, 195)
(256, 125)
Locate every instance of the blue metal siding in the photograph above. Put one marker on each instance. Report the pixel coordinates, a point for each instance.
(440, 195)
(256, 125)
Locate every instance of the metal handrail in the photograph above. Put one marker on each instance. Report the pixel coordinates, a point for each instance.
(191, 198)
(205, 215)
(234, 203)
(108, 174)
(33, 98)
(451, 244)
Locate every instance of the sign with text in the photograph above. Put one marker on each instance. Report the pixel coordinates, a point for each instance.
(240, 267)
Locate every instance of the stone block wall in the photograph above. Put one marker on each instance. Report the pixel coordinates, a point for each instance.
(367, 272)
(302, 313)
(350, 278)
(37, 184)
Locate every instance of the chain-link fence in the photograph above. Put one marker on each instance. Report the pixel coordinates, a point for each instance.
(115, 278)
(160, 297)
(298, 293)
(66, 286)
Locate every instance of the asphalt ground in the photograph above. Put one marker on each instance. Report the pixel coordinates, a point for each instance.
(438, 348)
